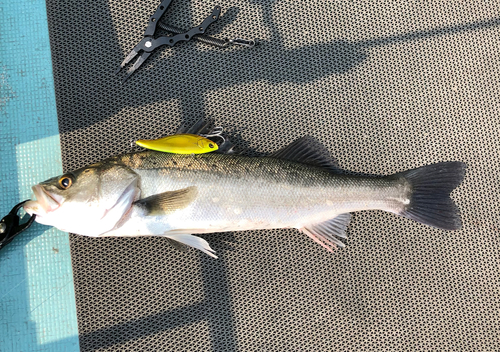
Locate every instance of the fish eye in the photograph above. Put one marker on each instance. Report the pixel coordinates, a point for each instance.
(210, 145)
(65, 182)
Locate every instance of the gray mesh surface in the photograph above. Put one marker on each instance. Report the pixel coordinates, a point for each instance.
(386, 86)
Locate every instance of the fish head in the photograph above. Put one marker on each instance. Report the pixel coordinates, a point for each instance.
(89, 201)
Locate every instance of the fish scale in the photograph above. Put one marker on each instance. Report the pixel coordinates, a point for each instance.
(247, 181)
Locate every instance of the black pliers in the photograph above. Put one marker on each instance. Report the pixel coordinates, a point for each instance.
(10, 227)
(150, 43)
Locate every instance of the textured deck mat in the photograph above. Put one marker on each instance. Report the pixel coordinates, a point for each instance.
(385, 86)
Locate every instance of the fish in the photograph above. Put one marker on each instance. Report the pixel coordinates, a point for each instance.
(184, 143)
(178, 196)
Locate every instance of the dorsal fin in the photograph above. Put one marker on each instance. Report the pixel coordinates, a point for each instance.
(309, 151)
(326, 233)
(200, 126)
(227, 147)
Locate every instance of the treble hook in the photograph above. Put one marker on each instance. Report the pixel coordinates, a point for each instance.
(215, 132)
(10, 227)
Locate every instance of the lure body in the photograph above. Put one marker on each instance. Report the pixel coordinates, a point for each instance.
(180, 144)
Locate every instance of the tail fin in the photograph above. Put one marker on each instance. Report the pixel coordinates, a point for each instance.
(430, 201)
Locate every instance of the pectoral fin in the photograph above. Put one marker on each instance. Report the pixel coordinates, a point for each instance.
(326, 233)
(168, 202)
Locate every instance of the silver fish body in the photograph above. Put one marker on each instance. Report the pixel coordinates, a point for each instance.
(154, 193)
(243, 193)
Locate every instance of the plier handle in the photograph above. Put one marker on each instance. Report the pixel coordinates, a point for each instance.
(10, 227)
(149, 43)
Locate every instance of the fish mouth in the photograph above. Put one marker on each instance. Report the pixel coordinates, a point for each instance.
(44, 203)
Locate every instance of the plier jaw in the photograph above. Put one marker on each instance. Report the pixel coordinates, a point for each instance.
(149, 43)
(10, 227)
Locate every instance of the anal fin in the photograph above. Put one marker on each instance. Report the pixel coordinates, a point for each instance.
(327, 233)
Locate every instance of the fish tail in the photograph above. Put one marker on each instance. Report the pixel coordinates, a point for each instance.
(430, 201)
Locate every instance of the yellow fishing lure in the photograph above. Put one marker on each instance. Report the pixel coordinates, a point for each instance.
(180, 144)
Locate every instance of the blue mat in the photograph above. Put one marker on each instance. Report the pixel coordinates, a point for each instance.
(37, 303)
